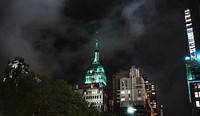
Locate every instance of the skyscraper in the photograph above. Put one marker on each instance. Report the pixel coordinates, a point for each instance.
(151, 90)
(95, 90)
(129, 90)
(192, 21)
(15, 68)
(116, 88)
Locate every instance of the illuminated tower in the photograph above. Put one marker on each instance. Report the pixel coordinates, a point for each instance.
(95, 89)
(15, 68)
(192, 67)
(96, 73)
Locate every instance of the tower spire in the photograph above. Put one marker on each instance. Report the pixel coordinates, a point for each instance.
(96, 51)
(97, 41)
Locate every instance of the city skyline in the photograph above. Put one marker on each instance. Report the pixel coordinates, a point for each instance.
(57, 39)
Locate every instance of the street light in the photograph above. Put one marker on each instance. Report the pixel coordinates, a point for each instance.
(131, 110)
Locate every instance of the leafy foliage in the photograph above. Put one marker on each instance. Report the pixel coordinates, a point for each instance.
(37, 95)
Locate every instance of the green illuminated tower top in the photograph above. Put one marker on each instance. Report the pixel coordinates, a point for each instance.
(96, 73)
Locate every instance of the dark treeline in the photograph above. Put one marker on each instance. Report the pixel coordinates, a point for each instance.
(35, 95)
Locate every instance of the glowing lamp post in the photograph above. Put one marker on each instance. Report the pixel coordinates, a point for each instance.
(131, 110)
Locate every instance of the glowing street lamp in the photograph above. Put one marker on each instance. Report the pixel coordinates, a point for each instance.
(131, 110)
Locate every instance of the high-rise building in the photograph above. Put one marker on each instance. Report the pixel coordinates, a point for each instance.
(150, 87)
(95, 90)
(129, 90)
(116, 88)
(192, 62)
(15, 68)
(193, 81)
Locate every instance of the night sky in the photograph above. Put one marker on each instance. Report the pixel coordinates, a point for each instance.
(57, 39)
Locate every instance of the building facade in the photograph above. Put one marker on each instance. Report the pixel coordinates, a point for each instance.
(95, 90)
(150, 87)
(129, 90)
(193, 81)
(192, 17)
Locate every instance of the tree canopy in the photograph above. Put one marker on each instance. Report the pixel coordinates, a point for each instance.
(36, 95)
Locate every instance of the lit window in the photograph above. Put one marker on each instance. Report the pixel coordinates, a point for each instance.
(198, 85)
(94, 91)
(139, 98)
(152, 88)
(129, 91)
(139, 91)
(122, 92)
(197, 94)
(100, 91)
(122, 99)
(154, 106)
(197, 104)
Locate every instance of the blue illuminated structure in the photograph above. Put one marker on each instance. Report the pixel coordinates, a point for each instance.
(192, 68)
(187, 58)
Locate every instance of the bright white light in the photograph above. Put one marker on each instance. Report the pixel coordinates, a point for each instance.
(198, 56)
(197, 104)
(131, 110)
(94, 91)
(122, 99)
(122, 92)
(129, 91)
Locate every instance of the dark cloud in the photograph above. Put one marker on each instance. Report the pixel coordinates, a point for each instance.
(56, 37)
